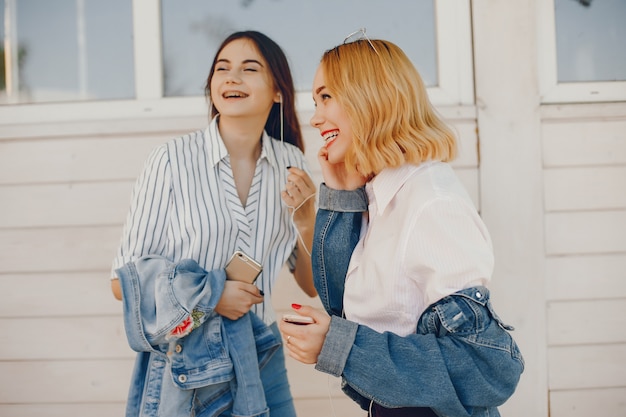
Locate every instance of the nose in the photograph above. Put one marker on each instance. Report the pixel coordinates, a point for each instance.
(316, 119)
(233, 77)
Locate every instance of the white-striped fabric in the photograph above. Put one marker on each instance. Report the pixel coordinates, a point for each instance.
(185, 206)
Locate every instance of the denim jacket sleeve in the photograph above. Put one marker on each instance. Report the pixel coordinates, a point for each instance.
(337, 230)
(461, 362)
(159, 295)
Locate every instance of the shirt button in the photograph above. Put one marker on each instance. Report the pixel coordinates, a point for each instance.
(178, 348)
(182, 378)
(478, 294)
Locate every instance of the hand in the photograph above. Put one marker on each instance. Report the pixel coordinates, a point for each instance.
(304, 342)
(337, 176)
(237, 299)
(299, 193)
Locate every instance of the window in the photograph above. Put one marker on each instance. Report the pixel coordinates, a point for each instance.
(66, 50)
(306, 28)
(583, 56)
(129, 59)
(296, 26)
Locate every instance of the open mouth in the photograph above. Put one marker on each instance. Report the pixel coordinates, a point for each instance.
(330, 136)
(234, 94)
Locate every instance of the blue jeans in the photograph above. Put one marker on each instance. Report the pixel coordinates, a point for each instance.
(276, 385)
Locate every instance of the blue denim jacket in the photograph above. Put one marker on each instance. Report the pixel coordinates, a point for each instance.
(461, 361)
(219, 360)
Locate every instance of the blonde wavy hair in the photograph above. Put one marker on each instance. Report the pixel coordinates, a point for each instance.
(393, 121)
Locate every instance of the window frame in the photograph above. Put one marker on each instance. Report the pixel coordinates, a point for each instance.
(553, 92)
(455, 75)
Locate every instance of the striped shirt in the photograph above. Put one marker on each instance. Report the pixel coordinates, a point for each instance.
(185, 206)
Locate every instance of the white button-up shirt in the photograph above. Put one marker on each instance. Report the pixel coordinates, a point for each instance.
(424, 240)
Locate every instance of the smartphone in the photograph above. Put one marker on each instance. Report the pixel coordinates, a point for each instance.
(241, 267)
(297, 319)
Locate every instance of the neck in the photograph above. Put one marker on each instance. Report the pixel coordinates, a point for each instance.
(242, 136)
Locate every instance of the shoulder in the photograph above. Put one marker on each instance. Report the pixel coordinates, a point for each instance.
(436, 180)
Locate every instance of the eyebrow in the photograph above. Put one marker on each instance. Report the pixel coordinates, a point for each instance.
(246, 61)
(317, 91)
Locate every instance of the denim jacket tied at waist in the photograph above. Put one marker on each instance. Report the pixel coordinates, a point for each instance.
(159, 295)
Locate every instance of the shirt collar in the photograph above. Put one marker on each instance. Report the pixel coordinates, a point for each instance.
(386, 184)
(218, 151)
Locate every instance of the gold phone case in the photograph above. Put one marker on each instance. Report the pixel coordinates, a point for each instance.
(241, 267)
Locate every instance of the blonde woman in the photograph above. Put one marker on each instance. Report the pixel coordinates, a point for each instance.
(412, 331)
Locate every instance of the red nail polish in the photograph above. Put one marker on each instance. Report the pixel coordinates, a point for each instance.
(296, 306)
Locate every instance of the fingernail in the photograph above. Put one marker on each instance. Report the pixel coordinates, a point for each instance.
(289, 166)
(296, 306)
(262, 293)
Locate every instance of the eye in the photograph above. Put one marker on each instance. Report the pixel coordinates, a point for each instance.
(325, 96)
(250, 69)
(221, 68)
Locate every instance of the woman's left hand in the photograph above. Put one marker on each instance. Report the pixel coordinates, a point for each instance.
(304, 341)
(299, 195)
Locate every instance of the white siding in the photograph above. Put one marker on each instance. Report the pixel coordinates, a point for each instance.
(584, 162)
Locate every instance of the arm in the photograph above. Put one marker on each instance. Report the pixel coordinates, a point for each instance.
(145, 227)
(299, 195)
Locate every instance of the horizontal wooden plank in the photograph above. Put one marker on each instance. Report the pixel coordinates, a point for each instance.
(52, 205)
(63, 338)
(81, 159)
(585, 403)
(58, 382)
(586, 322)
(586, 188)
(63, 410)
(585, 232)
(588, 366)
(585, 143)
(63, 294)
(585, 277)
(58, 249)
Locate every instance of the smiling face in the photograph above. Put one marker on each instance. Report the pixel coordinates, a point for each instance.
(331, 120)
(241, 83)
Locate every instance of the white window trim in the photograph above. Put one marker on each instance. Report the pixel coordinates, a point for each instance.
(550, 89)
(455, 76)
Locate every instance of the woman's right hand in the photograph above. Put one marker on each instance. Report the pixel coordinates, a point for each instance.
(337, 176)
(237, 299)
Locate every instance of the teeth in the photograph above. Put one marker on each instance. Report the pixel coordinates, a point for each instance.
(330, 136)
(235, 95)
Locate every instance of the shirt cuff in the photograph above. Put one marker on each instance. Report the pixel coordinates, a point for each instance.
(337, 346)
(342, 200)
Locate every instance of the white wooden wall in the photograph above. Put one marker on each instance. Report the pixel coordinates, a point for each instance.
(550, 181)
(64, 197)
(584, 168)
